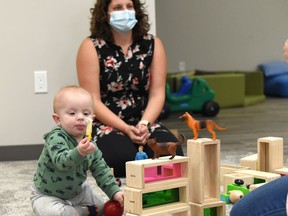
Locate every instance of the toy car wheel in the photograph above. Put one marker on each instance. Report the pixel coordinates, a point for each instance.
(210, 108)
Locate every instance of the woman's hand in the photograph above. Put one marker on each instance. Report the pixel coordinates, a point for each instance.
(138, 134)
(144, 130)
(285, 50)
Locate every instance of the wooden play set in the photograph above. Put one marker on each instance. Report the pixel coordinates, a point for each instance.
(191, 185)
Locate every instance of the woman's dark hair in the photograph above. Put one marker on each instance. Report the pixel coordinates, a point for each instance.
(99, 23)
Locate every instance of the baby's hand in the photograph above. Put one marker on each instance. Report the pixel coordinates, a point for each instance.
(119, 196)
(85, 147)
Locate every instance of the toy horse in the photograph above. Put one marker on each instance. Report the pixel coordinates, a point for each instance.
(196, 125)
(165, 148)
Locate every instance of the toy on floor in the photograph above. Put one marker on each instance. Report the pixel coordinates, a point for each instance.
(235, 195)
(196, 125)
(195, 95)
(235, 191)
(185, 88)
(140, 155)
(165, 148)
(113, 208)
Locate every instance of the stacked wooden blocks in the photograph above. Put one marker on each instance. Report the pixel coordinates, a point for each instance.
(263, 167)
(270, 155)
(191, 185)
(157, 187)
(205, 177)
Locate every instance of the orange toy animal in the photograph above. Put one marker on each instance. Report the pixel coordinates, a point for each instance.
(165, 148)
(196, 125)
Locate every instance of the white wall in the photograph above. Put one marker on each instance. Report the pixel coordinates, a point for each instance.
(38, 35)
(152, 15)
(222, 34)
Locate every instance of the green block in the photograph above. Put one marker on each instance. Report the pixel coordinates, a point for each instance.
(160, 197)
(258, 181)
(210, 211)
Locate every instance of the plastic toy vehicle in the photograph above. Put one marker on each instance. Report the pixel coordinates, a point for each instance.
(235, 192)
(197, 97)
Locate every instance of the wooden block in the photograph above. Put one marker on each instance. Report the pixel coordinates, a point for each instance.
(230, 178)
(250, 161)
(179, 209)
(266, 176)
(204, 169)
(148, 173)
(254, 186)
(227, 169)
(198, 209)
(270, 153)
(282, 171)
(133, 202)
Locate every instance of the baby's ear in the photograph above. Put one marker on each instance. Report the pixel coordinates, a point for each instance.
(56, 118)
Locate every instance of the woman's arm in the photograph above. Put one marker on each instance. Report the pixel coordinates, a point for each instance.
(158, 81)
(88, 71)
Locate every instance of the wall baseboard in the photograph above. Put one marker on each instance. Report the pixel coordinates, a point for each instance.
(20, 152)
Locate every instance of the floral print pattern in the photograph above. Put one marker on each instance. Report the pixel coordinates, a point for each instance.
(124, 89)
(124, 81)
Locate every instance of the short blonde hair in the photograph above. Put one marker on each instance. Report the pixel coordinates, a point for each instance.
(58, 98)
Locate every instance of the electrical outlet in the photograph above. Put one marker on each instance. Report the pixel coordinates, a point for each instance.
(182, 66)
(40, 82)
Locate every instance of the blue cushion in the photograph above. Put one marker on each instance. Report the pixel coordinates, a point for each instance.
(276, 85)
(274, 68)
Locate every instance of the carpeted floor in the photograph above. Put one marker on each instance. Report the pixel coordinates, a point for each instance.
(245, 125)
(15, 181)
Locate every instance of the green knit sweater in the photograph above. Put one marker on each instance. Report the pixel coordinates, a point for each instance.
(62, 170)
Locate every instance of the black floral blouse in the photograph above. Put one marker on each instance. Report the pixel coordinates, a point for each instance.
(125, 79)
(124, 89)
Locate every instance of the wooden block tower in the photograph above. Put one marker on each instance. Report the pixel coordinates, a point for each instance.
(270, 153)
(157, 187)
(205, 177)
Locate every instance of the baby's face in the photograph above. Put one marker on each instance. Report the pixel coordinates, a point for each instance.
(73, 114)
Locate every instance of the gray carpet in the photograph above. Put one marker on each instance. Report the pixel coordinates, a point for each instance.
(15, 181)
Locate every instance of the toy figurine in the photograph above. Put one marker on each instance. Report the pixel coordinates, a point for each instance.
(165, 148)
(196, 125)
(140, 155)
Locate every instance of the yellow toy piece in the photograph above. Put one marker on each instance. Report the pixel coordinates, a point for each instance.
(89, 128)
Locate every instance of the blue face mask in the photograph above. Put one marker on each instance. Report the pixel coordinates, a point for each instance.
(123, 21)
